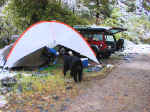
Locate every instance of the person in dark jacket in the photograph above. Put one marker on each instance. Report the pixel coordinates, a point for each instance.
(120, 44)
(50, 55)
(74, 64)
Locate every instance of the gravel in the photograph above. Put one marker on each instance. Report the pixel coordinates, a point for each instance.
(126, 89)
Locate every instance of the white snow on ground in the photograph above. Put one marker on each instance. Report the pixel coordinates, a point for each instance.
(5, 74)
(3, 101)
(130, 47)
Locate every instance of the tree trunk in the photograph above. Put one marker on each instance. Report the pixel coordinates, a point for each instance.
(97, 13)
(97, 18)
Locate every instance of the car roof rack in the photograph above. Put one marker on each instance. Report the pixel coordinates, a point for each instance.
(110, 30)
(90, 27)
(81, 26)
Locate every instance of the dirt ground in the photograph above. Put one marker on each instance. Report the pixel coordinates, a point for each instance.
(125, 89)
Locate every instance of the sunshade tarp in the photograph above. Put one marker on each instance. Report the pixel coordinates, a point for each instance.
(48, 33)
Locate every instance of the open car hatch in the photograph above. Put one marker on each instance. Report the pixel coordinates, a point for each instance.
(116, 30)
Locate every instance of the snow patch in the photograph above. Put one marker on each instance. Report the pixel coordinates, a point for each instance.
(130, 47)
(6, 73)
(3, 101)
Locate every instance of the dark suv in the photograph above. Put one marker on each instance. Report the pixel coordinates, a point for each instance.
(101, 39)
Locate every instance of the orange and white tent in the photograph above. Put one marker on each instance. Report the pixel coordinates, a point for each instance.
(47, 33)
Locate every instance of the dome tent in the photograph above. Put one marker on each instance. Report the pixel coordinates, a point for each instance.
(46, 33)
(33, 60)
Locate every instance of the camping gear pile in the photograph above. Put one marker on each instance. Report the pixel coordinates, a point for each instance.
(84, 62)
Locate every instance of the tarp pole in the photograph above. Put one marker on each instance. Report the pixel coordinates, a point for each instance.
(3, 65)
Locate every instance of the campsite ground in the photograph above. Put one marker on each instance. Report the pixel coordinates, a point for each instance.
(124, 89)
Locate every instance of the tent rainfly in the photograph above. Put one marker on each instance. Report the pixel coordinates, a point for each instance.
(46, 33)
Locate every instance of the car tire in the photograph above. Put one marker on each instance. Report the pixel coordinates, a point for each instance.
(107, 55)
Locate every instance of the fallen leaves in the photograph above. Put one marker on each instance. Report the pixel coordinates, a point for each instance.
(42, 93)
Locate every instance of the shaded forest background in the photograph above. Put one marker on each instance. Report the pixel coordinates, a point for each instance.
(17, 15)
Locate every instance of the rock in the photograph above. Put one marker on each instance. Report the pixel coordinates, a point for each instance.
(146, 76)
(67, 100)
(68, 80)
(45, 111)
(29, 86)
(125, 94)
(9, 89)
(38, 74)
(68, 87)
(100, 66)
(46, 104)
(8, 81)
(124, 58)
(3, 101)
(109, 66)
(4, 90)
(63, 107)
(52, 74)
(33, 105)
(27, 75)
(127, 60)
(18, 110)
(52, 105)
(9, 111)
(19, 101)
(20, 88)
(40, 108)
(55, 97)
(43, 81)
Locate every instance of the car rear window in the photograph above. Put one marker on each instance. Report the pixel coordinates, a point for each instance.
(97, 37)
(93, 36)
(109, 38)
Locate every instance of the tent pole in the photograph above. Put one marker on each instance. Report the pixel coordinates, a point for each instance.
(3, 65)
